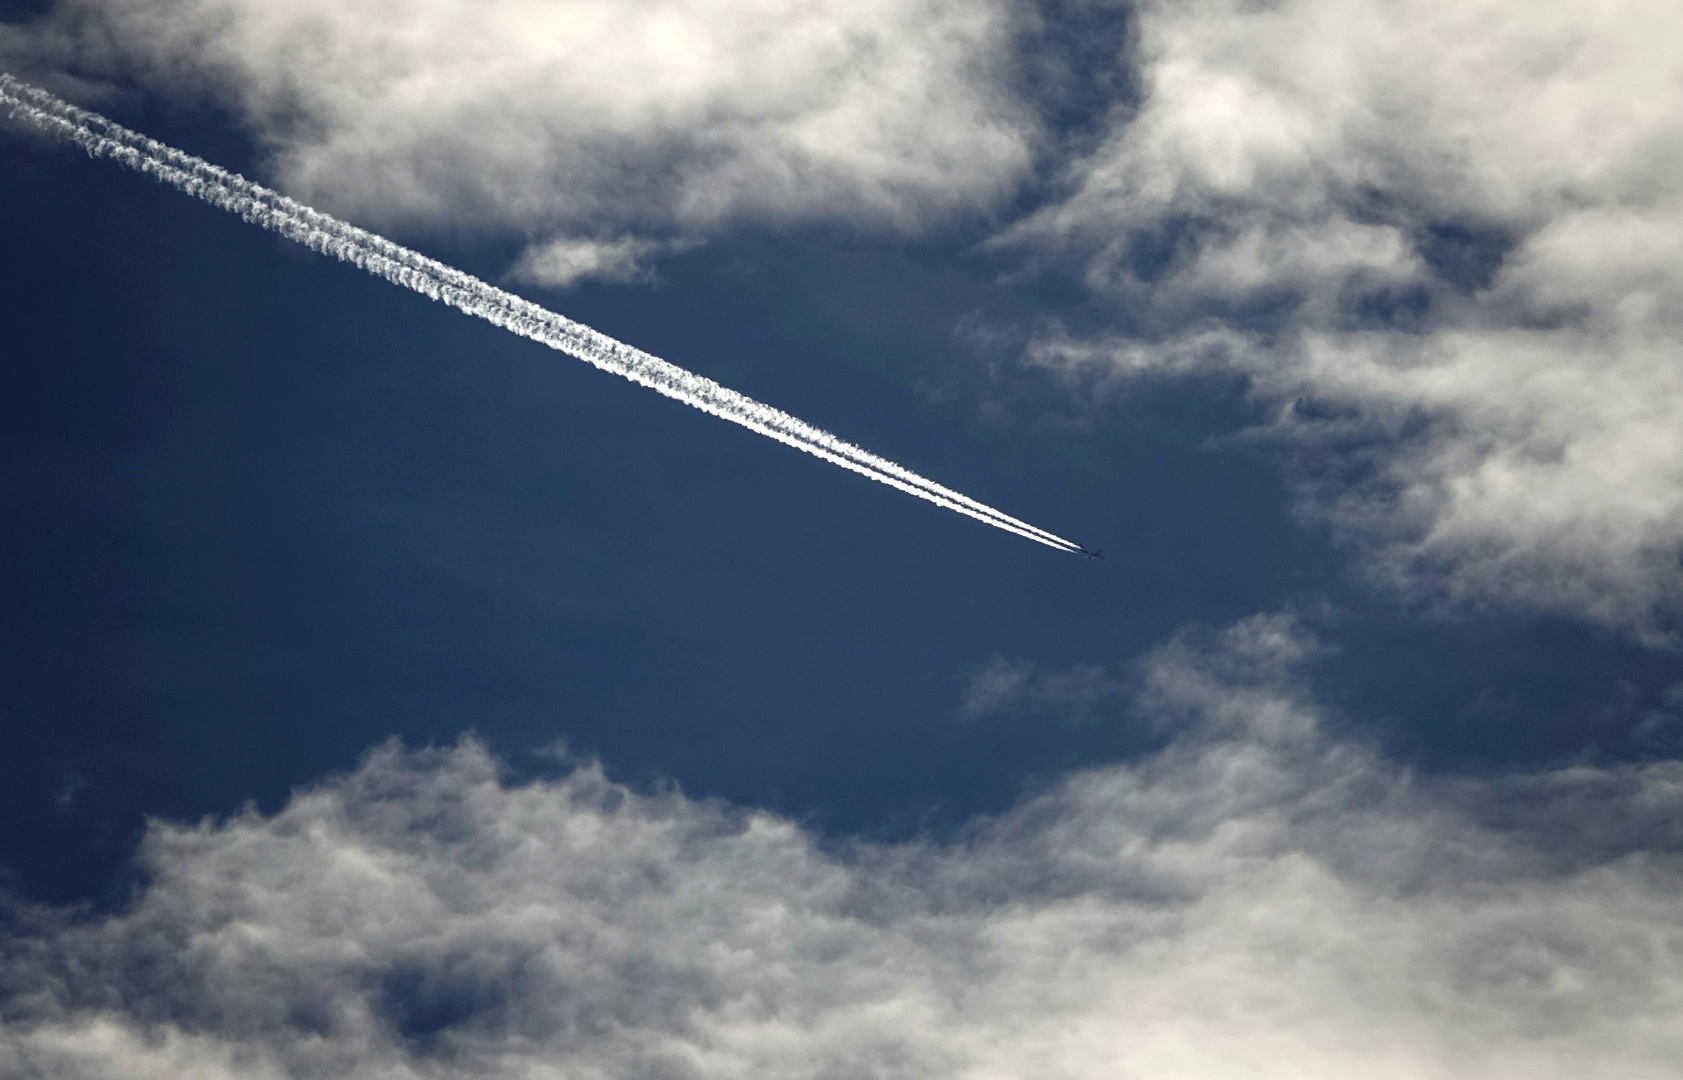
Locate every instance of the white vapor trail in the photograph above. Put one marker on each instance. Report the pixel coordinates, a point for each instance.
(375, 254)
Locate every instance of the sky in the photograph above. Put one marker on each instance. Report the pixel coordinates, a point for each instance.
(386, 695)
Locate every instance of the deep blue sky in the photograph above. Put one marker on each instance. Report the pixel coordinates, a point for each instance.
(264, 511)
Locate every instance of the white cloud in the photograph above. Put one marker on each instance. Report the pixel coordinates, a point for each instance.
(561, 118)
(1259, 900)
(562, 261)
(1455, 228)
(1460, 225)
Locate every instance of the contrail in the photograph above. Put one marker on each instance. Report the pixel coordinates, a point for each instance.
(321, 232)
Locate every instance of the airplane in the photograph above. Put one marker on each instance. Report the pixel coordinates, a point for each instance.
(1099, 554)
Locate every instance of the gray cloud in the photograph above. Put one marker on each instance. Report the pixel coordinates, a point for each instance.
(1004, 685)
(1258, 899)
(1661, 730)
(585, 118)
(1444, 235)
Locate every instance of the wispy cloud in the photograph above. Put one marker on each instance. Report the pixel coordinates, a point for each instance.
(1258, 899)
(1004, 686)
(566, 261)
(1445, 243)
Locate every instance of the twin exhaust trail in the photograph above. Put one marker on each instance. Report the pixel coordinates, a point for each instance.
(101, 138)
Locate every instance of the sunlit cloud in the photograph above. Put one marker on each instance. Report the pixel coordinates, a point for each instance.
(1443, 242)
(1260, 898)
(590, 118)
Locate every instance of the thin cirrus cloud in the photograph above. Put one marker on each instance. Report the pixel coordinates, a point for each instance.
(1446, 243)
(1005, 686)
(1258, 899)
(575, 120)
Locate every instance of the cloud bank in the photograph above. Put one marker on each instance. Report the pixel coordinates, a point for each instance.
(1259, 899)
(590, 126)
(1445, 242)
